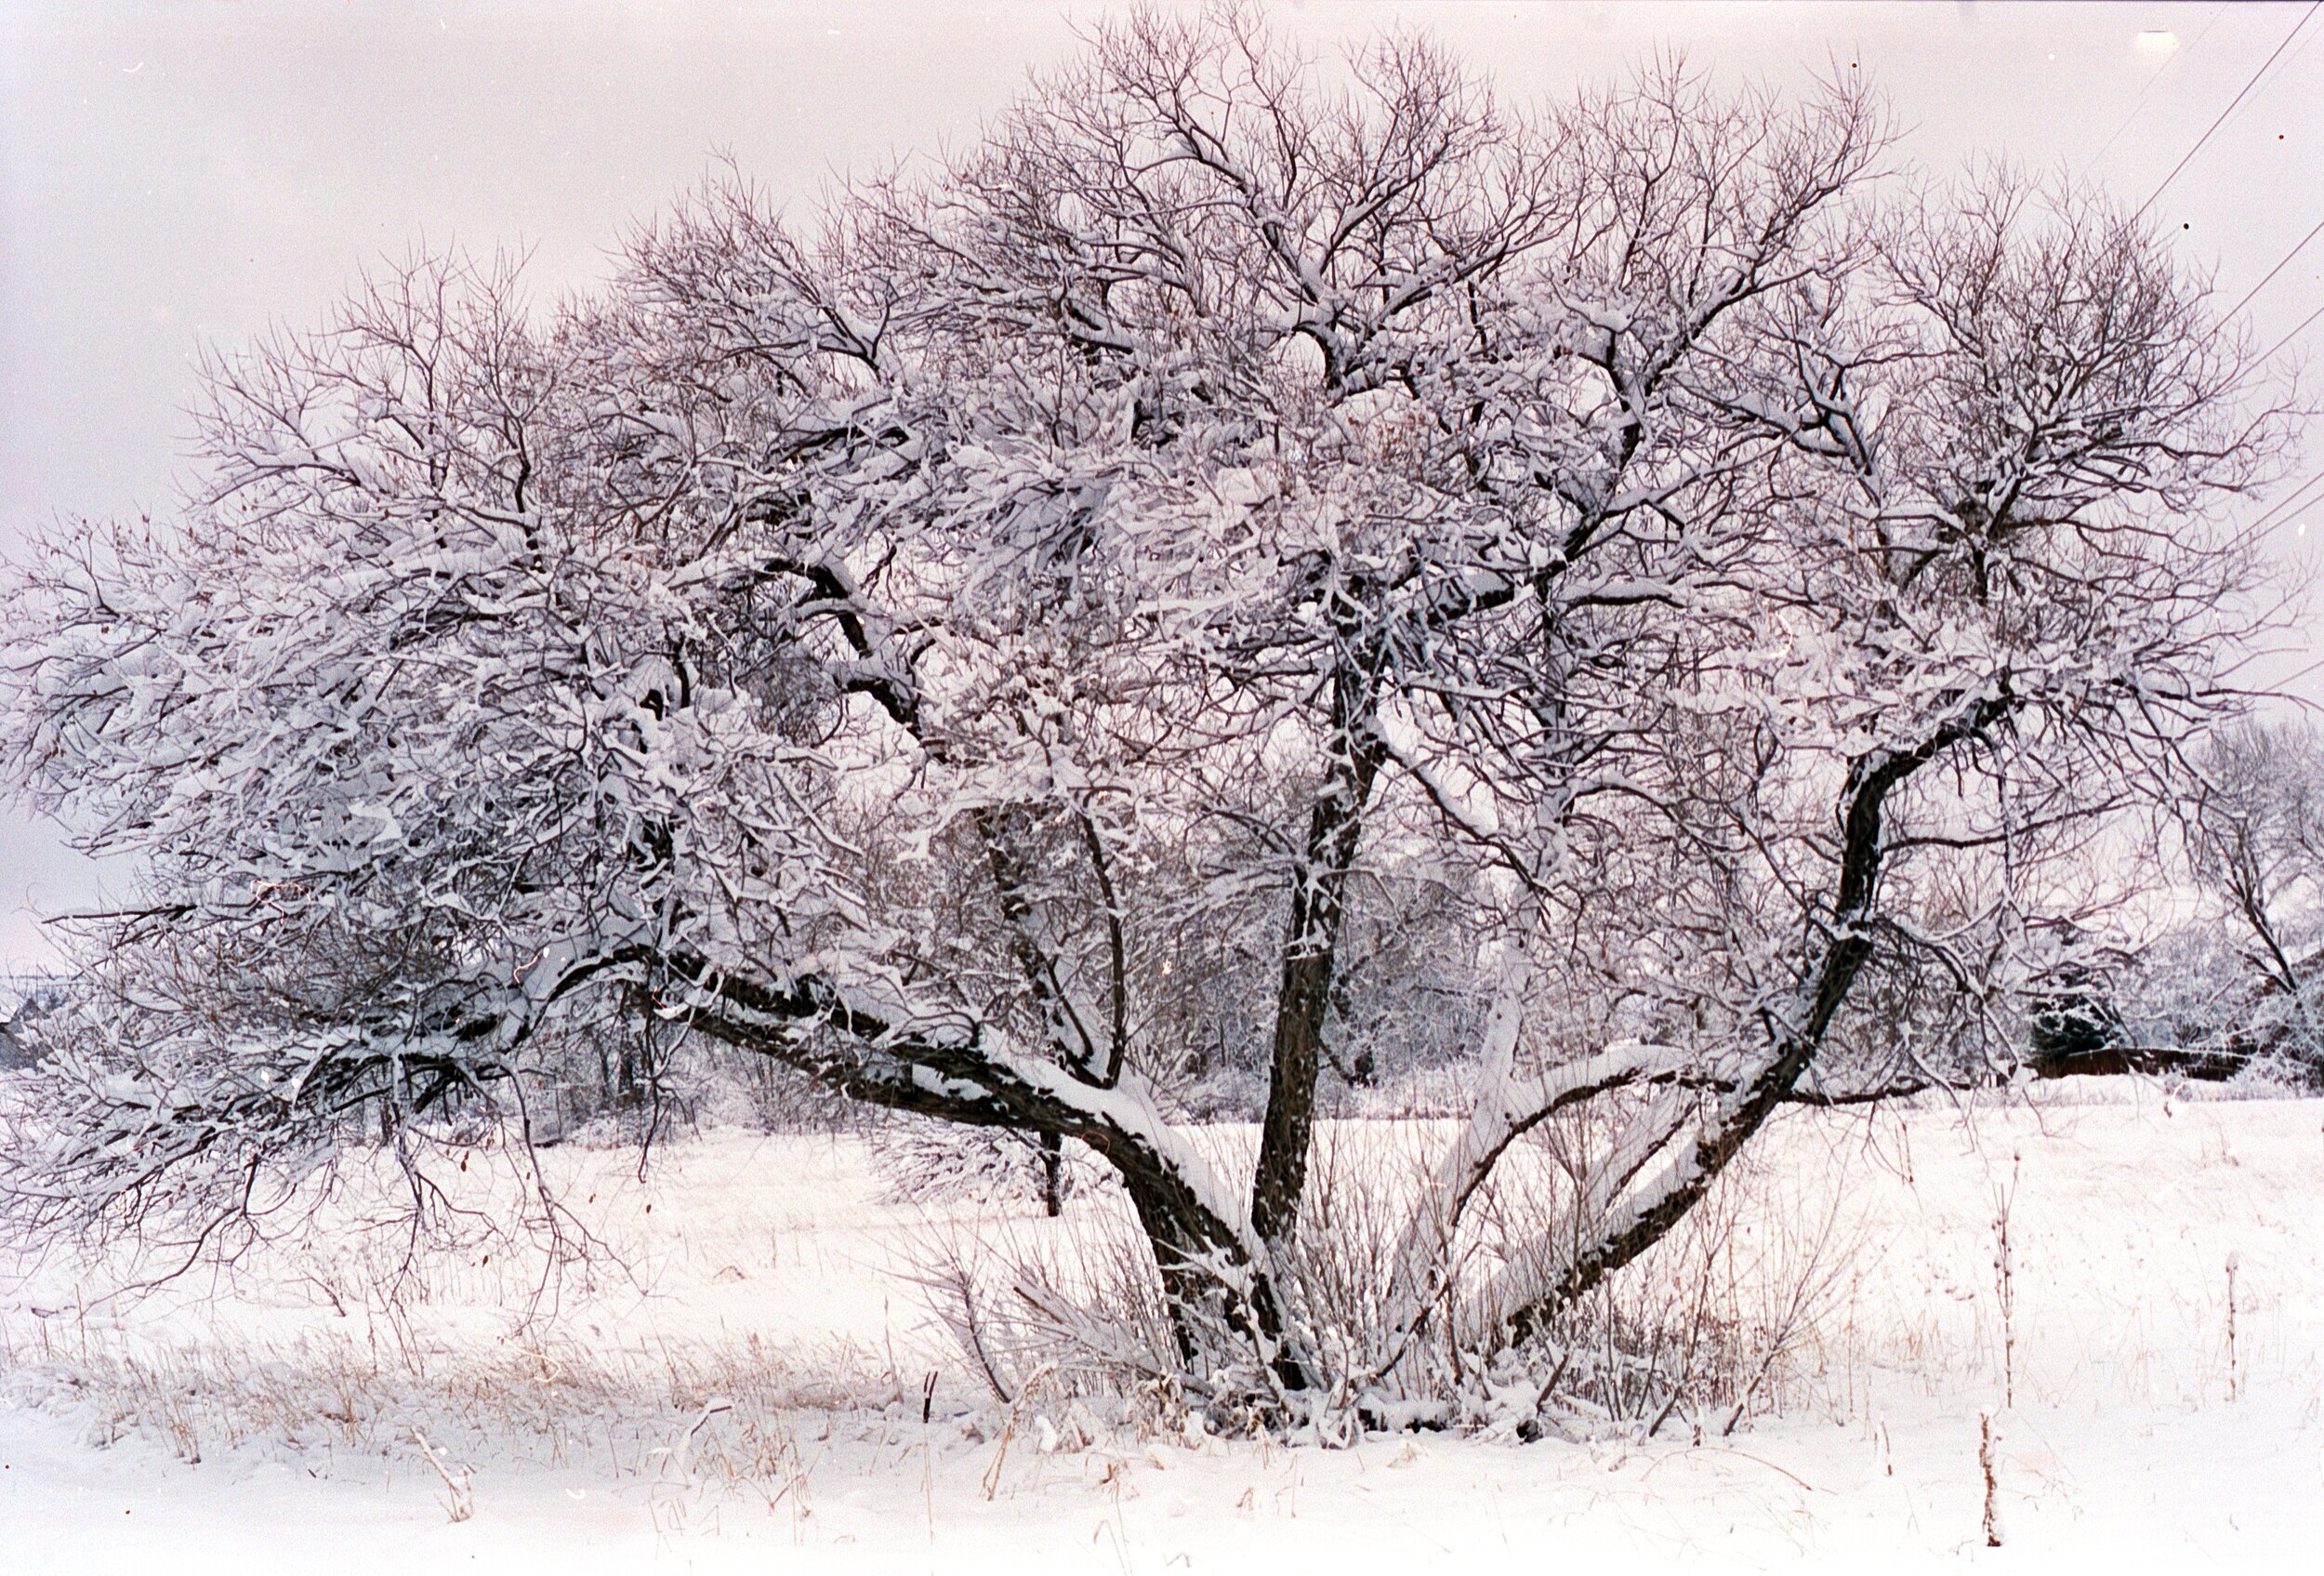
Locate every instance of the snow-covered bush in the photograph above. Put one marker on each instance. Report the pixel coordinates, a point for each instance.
(2242, 982)
(1719, 1322)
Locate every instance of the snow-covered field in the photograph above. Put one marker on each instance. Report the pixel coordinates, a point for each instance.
(2166, 1349)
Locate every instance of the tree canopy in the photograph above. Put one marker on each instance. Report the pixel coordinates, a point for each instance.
(879, 643)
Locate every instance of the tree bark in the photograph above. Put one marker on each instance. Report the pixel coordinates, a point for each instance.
(1310, 953)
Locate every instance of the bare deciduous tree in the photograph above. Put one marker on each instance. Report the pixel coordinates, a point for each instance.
(861, 644)
(2250, 832)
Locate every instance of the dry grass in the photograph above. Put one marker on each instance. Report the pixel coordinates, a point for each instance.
(562, 1403)
(1725, 1319)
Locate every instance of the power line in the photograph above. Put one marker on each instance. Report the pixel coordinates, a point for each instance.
(2176, 56)
(2271, 517)
(2283, 513)
(2269, 353)
(2297, 512)
(2280, 265)
(2222, 119)
(2269, 76)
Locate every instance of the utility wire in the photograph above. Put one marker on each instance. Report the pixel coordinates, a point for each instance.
(2279, 267)
(2297, 512)
(2271, 517)
(2269, 76)
(2270, 351)
(2160, 71)
(2222, 119)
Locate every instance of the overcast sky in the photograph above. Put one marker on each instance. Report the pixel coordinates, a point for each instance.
(178, 174)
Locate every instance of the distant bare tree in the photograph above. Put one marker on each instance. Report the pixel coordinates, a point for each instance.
(2252, 834)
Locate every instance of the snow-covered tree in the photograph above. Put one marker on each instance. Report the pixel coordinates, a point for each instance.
(2242, 983)
(884, 644)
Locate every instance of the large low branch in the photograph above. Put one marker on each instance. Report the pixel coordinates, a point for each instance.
(1512, 1105)
(1538, 1286)
(964, 1070)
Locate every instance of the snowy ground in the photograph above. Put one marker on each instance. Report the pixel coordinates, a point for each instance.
(270, 1423)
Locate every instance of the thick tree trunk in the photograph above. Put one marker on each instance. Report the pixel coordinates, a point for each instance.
(1310, 953)
(1190, 1262)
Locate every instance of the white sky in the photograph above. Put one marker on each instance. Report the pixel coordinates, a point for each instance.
(181, 173)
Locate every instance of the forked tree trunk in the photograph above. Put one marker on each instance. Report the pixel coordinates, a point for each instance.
(1196, 1298)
